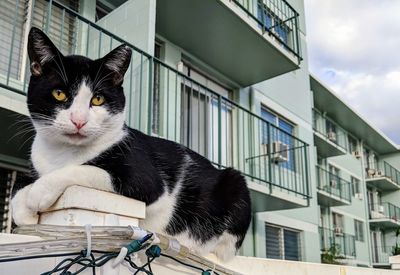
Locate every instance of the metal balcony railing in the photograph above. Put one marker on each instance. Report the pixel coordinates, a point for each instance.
(381, 254)
(384, 210)
(383, 169)
(329, 129)
(345, 244)
(333, 184)
(165, 102)
(277, 18)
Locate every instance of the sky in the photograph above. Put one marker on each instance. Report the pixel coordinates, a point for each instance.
(354, 48)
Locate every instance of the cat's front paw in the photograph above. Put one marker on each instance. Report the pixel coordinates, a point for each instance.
(42, 195)
(21, 213)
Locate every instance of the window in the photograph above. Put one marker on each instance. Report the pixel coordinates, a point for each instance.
(8, 12)
(370, 159)
(104, 7)
(352, 144)
(356, 188)
(200, 114)
(271, 21)
(63, 28)
(359, 230)
(337, 220)
(334, 178)
(12, 32)
(330, 127)
(282, 243)
(284, 136)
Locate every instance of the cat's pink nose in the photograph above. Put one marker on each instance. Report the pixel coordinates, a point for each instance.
(78, 123)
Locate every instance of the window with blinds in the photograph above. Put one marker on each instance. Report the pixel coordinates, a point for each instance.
(359, 230)
(14, 17)
(62, 27)
(5, 191)
(356, 188)
(12, 32)
(282, 243)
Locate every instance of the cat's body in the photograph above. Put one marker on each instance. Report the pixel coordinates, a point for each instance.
(80, 142)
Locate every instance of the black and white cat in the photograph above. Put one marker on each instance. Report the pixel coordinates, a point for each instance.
(77, 109)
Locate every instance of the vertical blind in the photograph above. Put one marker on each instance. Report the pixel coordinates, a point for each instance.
(5, 186)
(282, 243)
(12, 21)
(62, 26)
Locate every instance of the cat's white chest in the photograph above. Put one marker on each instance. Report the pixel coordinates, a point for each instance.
(47, 157)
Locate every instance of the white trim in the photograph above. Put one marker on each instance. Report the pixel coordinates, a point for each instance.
(341, 168)
(200, 65)
(280, 109)
(335, 210)
(284, 221)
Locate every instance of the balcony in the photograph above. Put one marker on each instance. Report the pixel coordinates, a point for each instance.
(385, 177)
(247, 41)
(344, 244)
(380, 256)
(332, 190)
(329, 141)
(385, 215)
(163, 102)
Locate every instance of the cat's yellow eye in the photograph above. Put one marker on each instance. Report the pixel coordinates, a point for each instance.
(98, 100)
(59, 95)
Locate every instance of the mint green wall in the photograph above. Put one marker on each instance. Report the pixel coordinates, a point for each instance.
(133, 21)
(289, 95)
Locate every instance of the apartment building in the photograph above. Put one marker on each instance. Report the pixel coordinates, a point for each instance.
(230, 80)
(357, 181)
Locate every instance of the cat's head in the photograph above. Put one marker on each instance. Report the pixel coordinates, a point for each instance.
(73, 99)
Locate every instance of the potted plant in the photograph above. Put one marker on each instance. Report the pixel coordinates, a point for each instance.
(331, 255)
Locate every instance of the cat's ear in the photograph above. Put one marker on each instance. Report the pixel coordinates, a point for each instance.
(40, 50)
(118, 62)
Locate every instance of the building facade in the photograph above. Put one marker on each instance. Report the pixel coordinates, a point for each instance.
(230, 80)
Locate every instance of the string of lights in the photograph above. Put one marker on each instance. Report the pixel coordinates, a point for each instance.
(115, 245)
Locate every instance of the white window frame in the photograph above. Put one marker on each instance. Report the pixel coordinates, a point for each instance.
(282, 240)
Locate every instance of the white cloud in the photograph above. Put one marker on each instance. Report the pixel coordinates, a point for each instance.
(353, 47)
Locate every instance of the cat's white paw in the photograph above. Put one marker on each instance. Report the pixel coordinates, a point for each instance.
(42, 195)
(21, 213)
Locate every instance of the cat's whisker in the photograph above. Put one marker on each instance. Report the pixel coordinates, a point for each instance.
(101, 80)
(98, 73)
(26, 140)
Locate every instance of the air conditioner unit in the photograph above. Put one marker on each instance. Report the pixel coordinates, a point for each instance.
(370, 172)
(358, 196)
(332, 136)
(381, 209)
(357, 154)
(378, 173)
(377, 215)
(280, 152)
(338, 230)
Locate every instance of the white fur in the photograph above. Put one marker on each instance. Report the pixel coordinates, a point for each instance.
(161, 211)
(44, 51)
(223, 246)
